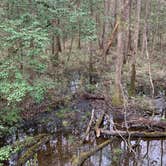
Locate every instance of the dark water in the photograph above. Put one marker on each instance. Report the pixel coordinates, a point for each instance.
(60, 149)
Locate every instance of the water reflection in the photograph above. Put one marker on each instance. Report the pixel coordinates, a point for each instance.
(144, 153)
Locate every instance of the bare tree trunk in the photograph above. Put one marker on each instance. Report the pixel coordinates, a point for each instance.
(79, 28)
(58, 44)
(53, 45)
(145, 47)
(98, 23)
(127, 46)
(117, 97)
(91, 80)
(115, 12)
(71, 44)
(135, 52)
(58, 41)
(79, 37)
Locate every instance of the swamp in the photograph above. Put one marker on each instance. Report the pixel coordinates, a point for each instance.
(82, 83)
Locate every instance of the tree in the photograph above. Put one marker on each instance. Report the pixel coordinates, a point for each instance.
(117, 97)
(135, 49)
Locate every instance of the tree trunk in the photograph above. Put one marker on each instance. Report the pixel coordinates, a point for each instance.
(135, 52)
(58, 41)
(145, 46)
(127, 44)
(117, 99)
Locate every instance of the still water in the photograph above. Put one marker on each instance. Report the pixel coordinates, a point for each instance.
(61, 148)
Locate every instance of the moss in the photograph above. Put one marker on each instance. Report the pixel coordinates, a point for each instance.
(117, 99)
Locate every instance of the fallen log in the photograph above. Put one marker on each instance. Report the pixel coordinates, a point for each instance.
(89, 96)
(133, 134)
(79, 160)
(143, 123)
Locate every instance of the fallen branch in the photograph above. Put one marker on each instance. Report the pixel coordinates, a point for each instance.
(79, 160)
(90, 96)
(110, 41)
(134, 134)
(143, 123)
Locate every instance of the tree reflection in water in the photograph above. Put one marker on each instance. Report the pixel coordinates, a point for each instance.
(144, 153)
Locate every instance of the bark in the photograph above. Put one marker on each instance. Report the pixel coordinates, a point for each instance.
(79, 28)
(79, 37)
(106, 51)
(71, 45)
(127, 45)
(117, 98)
(115, 11)
(135, 52)
(91, 66)
(58, 41)
(53, 45)
(106, 22)
(145, 46)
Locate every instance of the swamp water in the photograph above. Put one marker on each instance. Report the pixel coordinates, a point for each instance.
(61, 147)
